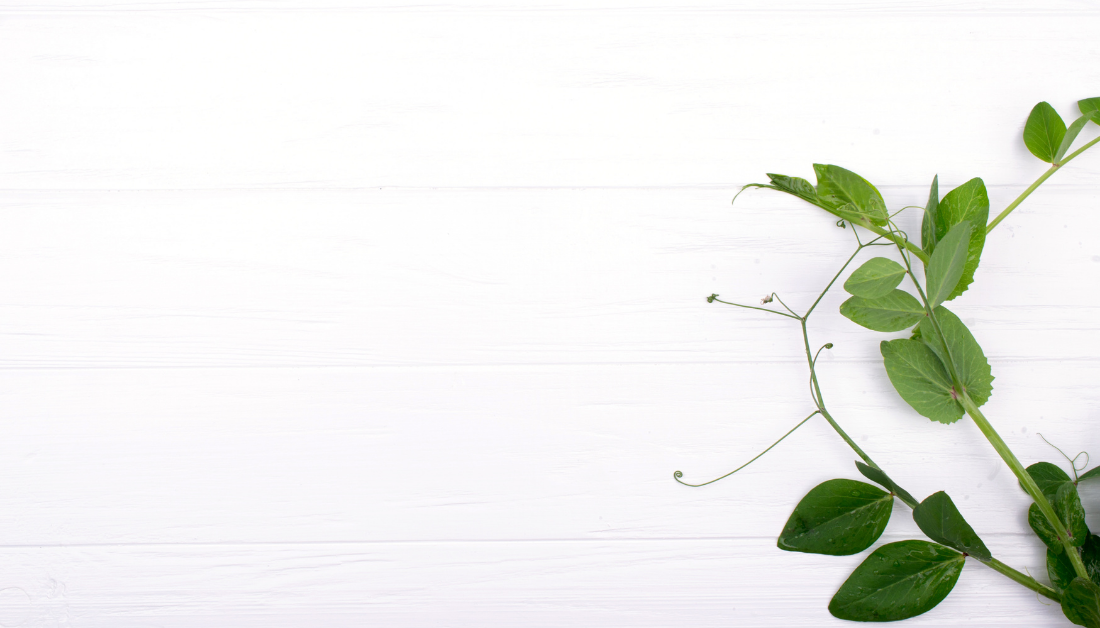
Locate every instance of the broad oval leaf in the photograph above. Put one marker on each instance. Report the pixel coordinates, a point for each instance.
(1090, 474)
(1061, 571)
(1044, 131)
(945, 267)
(971, 365)
(939, 518)
(837, 517)
(969, 201)
(1090, 105)
(1042, 529)
(1081, 603)
(921, 379)
(880, 477)
(1048, 476)
(928, 236)
(1067, 505)
(896, 311)
(898, 581)
(837, 187)
(877, 277)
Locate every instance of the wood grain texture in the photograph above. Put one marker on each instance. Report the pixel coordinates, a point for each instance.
(569, 97)
(362, 313)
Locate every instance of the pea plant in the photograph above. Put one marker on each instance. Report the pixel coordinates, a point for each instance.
(943, 374)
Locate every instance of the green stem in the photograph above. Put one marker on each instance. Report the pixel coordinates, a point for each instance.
(998, 444)
(912, 248)
(1025, 479)
(1046, 175)
(1023, 579)
(714, 297)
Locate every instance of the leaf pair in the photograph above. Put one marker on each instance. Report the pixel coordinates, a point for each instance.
(898, 580)
(1057, 486)
(879, 305)
(904, 579)
(840, 192)
(1080, 597)
(1046, 134)
(967, 203)
(1067, 506)
(918, 371)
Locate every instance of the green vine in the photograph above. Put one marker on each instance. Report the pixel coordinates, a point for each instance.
(943, 374)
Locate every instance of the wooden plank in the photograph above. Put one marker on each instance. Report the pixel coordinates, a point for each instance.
(483, 277)
(126, 456)
(1055, 7)
(625, 583)
(446, 277)
(215, 99)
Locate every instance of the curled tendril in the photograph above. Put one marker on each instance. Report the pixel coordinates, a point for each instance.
(827, 345)
(1072, 461)
(815, 391)
(676, 475)
(1083, 466)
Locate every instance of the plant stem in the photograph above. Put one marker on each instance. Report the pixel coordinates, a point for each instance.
(912, 248)
(1025, 479)
(1046, 175)
(994, 438)
(1023, 579)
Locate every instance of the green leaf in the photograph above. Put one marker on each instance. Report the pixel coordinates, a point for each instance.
(878, 476)
(1089, 105)
(877, 277)
(896, 311)
(1088, 475)
(837, 187)
(1067, 505)
(928, 236)
(1044, 131)
(969, 201)
(921, 379)
(794, 185)
(1061, 571)
(1081, 603)
(938, 517)
(971, 365)
(898, 581)
(948, 261)
(837, 517)
(1071, 133)
(1042, 529)
(1048, 476)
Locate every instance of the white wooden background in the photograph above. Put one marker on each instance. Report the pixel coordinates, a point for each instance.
(382, 313)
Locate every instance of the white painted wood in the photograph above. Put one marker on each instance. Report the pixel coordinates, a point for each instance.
(364, 313)
(504, 97)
